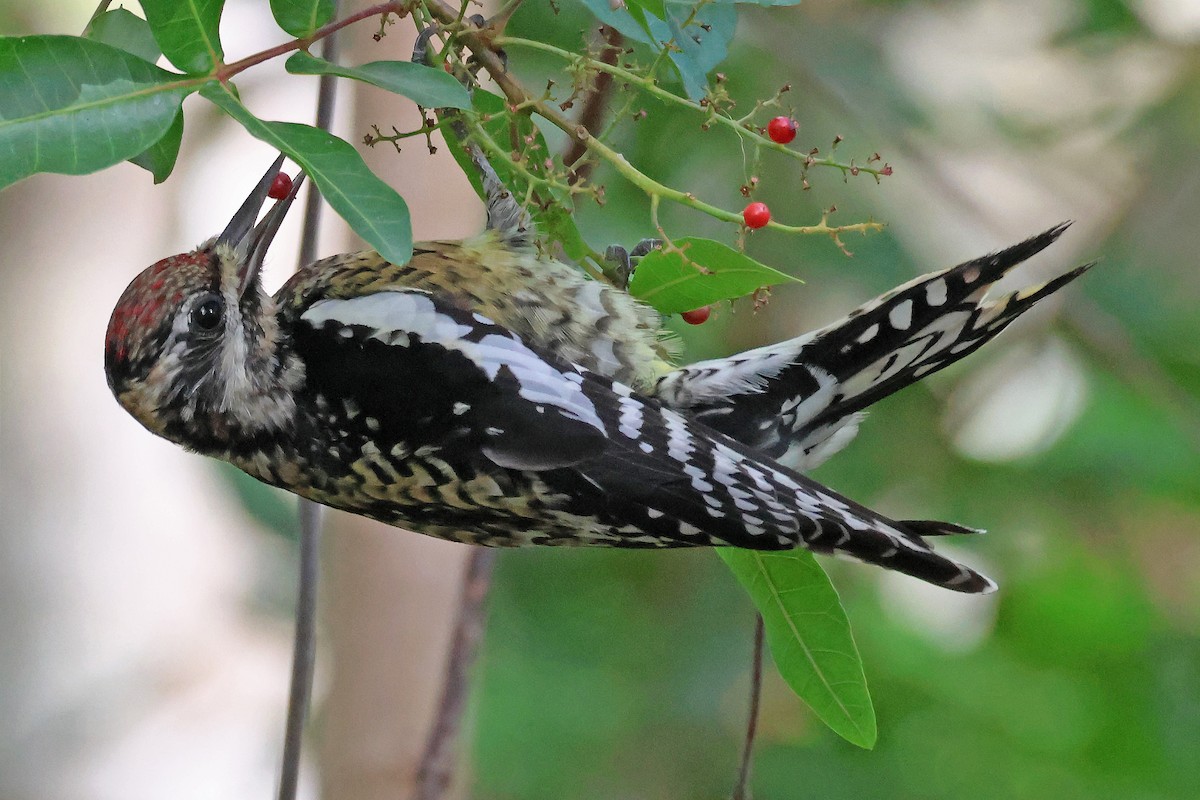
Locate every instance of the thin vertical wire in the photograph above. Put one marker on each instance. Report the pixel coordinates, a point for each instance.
(741, 790)
(304, 648)
(436, 769)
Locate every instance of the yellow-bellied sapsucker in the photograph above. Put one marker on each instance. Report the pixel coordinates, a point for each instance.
(486, 394)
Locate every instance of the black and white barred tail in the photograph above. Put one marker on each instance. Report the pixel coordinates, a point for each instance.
(801, 400)
(680, 484)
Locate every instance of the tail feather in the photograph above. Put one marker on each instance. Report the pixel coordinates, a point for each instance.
(982, 272)
(933, 527)
(795, 397)
(918, 562)
(673, 482)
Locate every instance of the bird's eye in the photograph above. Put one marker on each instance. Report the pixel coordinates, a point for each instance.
(206, 316)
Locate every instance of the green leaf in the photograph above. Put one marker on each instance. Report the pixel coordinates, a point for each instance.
(701, 46)
(558, 224)
(187, 31)
(159, 158)
(705, 272)
(301, 17)
(426, 86)
(124, 29)
(630, 20)
(698, 50)
(655, 7)
(809, 635)
(658, 7)
(369, 206)
(74, 106)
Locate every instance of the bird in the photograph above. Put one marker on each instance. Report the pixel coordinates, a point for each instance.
(487, 393)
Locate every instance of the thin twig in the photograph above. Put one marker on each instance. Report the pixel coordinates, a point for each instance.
(304, 647)
(224, 72)
(437, 762)
(326, 95)
(101, 7)
(741, 790)
(500, 19)
(227, 71)
(303, 650)
(483, 43)
(596, 104)
(648, 84)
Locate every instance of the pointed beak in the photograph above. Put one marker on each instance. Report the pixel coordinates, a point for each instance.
(242, 234)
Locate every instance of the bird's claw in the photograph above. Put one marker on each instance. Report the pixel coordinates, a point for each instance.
(624, 261)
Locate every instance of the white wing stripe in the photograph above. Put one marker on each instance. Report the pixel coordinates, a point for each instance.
(396, 316)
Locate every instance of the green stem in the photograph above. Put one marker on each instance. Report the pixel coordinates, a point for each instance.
(379, 136)
(651, 74)
(492, 148)
(649, 86)
(484, 43)
(658, 190)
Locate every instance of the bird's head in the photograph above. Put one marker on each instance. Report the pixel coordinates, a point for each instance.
(192, 349)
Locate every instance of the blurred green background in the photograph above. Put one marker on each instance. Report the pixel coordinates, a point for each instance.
(1074, 439)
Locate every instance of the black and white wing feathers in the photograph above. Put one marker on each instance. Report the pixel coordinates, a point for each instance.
(431, 374)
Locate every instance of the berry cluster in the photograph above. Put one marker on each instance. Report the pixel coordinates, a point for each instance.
(782, 130)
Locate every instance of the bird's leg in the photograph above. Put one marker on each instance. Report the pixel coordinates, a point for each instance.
(493, 26)
(618, 257)
(420, 53)
(644, 247)
(625, 261)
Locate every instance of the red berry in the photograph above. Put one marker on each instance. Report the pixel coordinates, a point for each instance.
(280, 187)
(782, 129)
(697, 316)
(756, 215)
